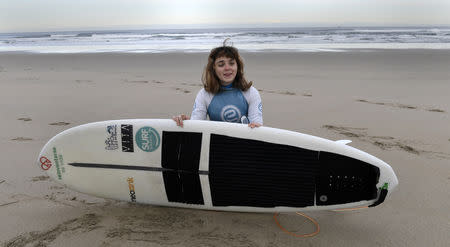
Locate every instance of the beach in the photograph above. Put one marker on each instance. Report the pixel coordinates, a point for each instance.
(393, 104)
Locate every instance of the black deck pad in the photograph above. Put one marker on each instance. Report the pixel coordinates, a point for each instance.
(245, 172)
(342, 179)
(181, 154)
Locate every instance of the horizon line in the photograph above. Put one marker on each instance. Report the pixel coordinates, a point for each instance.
(222, 26)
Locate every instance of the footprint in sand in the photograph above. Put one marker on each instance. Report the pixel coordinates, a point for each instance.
(6, 204)
(135, 81)
(81, 81)
(384, 142)
(40, 178)
(267, 91)
(31, 78)
(287, 93)
(56, 188)
(166, 227)
(59, 123)
(83, 224)
(22, 139)
(401, 106)
(182, 90)
(139, 81)
(192, 84)
(284, 92)
(436, 110)
(25, 119)
(347, 131)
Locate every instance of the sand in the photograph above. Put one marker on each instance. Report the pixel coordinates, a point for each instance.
(393, 104)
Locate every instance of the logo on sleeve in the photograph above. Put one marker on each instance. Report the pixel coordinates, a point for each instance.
(260, 107)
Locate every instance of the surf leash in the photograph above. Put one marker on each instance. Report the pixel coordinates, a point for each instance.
(349, 209)
(275, 218)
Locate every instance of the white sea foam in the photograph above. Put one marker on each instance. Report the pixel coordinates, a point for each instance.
(246, 39)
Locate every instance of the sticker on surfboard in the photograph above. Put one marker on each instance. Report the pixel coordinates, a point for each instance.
(147, 139)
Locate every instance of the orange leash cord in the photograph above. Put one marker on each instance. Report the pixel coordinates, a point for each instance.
(349, 209)
(312, 220)
(298, 235)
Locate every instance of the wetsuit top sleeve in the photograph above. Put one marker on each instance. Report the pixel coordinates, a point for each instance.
(254, 105)
(202, 101)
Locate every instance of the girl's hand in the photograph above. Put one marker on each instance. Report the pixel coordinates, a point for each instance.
(253, 125)
(179, 119)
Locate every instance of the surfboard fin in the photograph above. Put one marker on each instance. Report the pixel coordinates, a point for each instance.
(383, 194)
(345, 142)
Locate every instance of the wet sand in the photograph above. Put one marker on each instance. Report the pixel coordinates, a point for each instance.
(392, 104)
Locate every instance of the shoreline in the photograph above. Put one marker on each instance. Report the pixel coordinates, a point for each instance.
(244, 51)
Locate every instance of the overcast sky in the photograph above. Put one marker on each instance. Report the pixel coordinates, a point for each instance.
(45, 15)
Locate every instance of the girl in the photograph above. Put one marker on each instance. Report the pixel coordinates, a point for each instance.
(226, 95)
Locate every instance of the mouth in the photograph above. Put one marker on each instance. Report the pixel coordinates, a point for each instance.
(228, 75)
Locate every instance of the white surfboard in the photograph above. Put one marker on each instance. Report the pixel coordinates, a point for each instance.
(215, 165)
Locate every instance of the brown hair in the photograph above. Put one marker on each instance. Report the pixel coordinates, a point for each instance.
(210, 80)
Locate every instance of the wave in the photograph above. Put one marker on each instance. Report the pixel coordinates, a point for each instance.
(84, 35)
(34, 36)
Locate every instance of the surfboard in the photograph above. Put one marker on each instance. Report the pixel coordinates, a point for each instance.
(215, 165)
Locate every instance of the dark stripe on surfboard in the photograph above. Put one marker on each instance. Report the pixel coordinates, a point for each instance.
(253, 173)
(181, 151)
(136, 168)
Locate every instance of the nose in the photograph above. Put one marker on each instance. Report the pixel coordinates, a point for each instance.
(227, 66)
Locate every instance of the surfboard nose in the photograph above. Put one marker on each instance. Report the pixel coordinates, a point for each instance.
(388, 178)
(343, 179)
(50, 161)
(387, 184)
(393, 183)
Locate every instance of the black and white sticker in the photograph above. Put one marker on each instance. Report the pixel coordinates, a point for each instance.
(111, 140)
(127, 138)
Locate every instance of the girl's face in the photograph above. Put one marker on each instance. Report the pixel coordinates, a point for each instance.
(226, 69)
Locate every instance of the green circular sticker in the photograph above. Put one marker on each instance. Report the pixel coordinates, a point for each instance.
(147, 139)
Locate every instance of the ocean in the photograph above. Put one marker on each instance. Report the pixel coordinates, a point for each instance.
(301, 39)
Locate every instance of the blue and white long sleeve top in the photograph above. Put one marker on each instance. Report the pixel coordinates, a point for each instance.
(228, 105)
